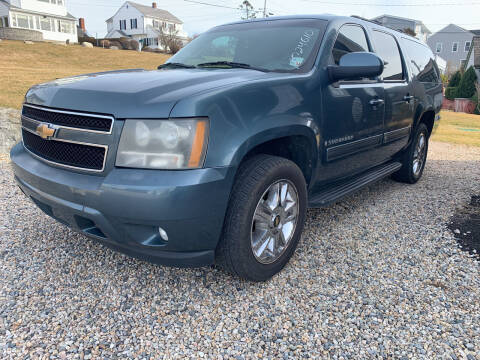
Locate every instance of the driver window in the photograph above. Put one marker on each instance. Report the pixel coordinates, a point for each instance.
(351, 38)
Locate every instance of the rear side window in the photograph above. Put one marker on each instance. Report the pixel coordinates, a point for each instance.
(387, 48)
(422, 61)
(351, 38)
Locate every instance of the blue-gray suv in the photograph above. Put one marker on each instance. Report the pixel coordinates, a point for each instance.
(216, 156)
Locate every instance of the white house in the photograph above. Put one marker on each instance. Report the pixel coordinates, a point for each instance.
(50, 17)
(400, 23)
(144, 24)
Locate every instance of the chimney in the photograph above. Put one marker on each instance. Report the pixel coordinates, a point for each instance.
(476, 51)
(81, 24)
(154, 5)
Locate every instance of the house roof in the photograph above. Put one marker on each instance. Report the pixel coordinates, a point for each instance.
(424, 28)
(153, 12)
(16, 8)
(112, 34)
(476, 32)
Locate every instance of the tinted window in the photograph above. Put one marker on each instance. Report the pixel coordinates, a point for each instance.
(351, 38)
(422, 61)
(277, 45)
(387, 48)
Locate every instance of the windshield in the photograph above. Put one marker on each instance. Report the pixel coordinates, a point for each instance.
(275, 45)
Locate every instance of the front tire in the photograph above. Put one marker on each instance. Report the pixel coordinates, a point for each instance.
(264, 219)
(415, 157)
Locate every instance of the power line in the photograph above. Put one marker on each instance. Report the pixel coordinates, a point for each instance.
(389, 4)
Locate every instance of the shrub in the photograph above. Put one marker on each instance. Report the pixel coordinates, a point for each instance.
(115, 43)
(105, 43)
(451, 93)
(455, 79)
(466, 88)
(128, 44)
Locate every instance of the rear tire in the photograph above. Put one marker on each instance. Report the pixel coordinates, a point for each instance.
(264, 219)
(415, 157)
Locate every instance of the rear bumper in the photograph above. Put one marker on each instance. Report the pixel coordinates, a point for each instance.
(125, 209)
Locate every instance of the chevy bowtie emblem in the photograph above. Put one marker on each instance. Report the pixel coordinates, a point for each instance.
(45, 131)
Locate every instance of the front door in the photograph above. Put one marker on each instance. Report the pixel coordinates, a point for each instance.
(353, 115)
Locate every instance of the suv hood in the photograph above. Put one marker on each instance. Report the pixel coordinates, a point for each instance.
(134, 93)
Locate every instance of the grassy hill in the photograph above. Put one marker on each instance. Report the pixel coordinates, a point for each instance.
(22, 65)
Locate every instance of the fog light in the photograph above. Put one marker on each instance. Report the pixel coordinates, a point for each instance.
(163, 234)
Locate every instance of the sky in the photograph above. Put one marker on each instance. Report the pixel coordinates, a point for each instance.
(198, 18)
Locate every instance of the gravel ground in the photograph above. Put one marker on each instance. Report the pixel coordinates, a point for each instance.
(377, 275)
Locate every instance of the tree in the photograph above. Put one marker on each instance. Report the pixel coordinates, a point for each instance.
(409, 32)
(466, 88)
(170, 41)
(250, 13)
(455, 79)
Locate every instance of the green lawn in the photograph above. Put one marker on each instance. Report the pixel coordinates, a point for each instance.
(458, 128)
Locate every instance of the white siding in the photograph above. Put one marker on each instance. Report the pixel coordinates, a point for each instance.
(51, 7)
(127, 12)
(52, 28)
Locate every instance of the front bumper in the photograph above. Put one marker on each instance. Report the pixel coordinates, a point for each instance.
(125, 208)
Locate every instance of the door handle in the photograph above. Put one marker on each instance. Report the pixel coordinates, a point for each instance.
(377, 102)
(408, 98)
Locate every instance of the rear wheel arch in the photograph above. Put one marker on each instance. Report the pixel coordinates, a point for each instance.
(428, 118)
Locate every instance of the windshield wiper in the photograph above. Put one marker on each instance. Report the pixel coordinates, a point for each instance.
(176, 65)
(231, 64)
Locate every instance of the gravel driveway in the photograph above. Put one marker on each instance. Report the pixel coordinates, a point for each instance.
(376, 275)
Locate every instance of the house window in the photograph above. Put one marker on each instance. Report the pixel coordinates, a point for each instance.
(22, 21)
(123, 24)
(64, 26)
(45, 24)
(133, 23)
(4, 21)
(467, 46)
(438, 48)
(156, 24)
(455, 47)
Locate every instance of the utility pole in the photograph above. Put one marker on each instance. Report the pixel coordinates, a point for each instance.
(265, 9)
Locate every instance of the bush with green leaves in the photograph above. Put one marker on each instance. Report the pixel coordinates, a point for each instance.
(466, 88)
(451, 93)
(455, 79)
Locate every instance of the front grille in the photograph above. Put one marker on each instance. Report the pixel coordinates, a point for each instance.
(82, 156)
(82, 121)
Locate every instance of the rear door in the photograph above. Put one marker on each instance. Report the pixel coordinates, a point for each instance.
(353, 114)
(399, 93)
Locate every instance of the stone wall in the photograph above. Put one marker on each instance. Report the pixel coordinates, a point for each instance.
(20, 34)
(10, 132)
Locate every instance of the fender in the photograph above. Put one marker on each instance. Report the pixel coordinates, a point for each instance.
(277, 133)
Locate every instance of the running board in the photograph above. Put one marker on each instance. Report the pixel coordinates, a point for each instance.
(337, 192)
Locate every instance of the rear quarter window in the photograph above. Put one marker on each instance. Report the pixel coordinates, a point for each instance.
(421, 61)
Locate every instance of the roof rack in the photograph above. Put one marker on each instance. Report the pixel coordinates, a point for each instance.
(365, 19)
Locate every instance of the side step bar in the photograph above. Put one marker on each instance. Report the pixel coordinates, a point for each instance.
(337, 192)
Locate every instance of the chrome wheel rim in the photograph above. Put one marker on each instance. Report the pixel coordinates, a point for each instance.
(274, 221)
(419, 154)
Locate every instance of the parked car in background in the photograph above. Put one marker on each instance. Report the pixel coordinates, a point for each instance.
(216, 156)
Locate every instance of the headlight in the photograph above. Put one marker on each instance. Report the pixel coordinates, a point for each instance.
(163, 144)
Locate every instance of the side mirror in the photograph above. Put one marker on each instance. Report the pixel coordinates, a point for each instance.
(356, 65)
